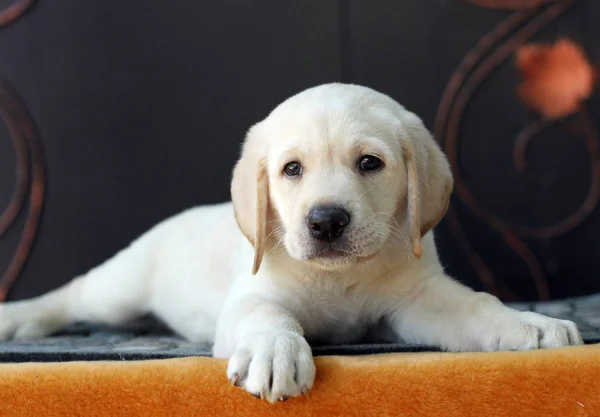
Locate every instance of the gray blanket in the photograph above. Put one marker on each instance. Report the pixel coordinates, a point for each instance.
(147, 339)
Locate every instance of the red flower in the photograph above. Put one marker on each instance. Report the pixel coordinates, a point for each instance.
(556, 78)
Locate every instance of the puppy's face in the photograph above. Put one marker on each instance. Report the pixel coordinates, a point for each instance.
(336, 176)
(336, 172)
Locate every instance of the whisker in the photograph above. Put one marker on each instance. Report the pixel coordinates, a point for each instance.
(363, 194)
(276, 246)
(275, 231)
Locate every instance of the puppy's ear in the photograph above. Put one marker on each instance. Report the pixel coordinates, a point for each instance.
(429, 179)
(250, 193)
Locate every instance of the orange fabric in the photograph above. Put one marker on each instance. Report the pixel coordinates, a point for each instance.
(557, 382)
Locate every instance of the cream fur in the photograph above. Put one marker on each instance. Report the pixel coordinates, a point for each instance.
(195, 270)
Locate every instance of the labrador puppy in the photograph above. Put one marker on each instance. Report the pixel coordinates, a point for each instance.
(328, 239)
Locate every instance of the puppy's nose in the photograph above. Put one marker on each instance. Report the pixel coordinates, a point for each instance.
(327, 223)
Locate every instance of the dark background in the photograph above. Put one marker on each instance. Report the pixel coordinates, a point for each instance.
(141, 108)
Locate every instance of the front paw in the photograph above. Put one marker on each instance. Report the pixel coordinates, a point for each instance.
(273, 366)
(527, 330)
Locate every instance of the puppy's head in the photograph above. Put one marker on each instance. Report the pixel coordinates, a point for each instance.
(335, 173)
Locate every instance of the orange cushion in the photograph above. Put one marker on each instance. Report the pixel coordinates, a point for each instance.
(554, 382)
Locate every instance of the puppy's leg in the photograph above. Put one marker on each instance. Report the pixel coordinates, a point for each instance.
(111, 293)
(444, 313)
(268, 355)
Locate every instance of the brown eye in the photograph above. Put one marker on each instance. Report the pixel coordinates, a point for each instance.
(369, 163)
(292, 169)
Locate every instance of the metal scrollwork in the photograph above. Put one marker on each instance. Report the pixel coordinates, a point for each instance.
(30, 164)
(494, 48)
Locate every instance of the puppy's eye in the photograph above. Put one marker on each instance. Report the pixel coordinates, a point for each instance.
(369, 163)
(292, 169)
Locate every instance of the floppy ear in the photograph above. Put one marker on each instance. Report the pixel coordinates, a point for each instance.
(249, 193)
(429, 180)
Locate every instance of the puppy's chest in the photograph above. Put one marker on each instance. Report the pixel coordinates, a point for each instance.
(333, 318)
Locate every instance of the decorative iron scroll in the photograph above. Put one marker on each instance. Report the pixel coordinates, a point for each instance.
(494, 48)
(30, 164)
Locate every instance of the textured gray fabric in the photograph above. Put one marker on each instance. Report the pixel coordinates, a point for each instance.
(147, 339)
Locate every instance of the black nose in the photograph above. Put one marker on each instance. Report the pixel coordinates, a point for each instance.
(327, 223)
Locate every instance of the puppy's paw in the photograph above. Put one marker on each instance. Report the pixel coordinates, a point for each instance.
(273, 366)
(20, 322)
(527, 330)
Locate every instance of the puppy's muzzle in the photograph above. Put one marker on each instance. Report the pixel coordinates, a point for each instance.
(326, 223)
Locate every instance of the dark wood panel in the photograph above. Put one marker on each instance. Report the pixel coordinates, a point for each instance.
(141, 111)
